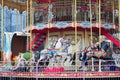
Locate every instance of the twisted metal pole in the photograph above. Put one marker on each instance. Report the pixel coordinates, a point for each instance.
(119, 18)
(27, 17)
(91, 32)
(2, 29)
(99, 31)
(74, 23)
(31, 27)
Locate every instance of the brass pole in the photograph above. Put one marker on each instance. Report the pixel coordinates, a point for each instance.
(2, 29)
(99, 31)
(113, 12)
(48, 22)
(119, 19)
(96, 11)
(27, 24)
(99, 21)
(85, 34)
(85, 37)
(91, 34)
(75, 22)
(31, 25)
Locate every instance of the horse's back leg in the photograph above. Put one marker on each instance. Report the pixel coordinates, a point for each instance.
(74, 58)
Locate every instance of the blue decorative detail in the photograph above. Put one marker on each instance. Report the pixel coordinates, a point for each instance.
(6, 19)
(85, 24)
(13, 20)
(107, 26)
(40, 26)
(23, 20)
(61, 24)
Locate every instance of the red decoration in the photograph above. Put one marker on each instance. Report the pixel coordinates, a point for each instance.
(47, 69)
(45, 1)
(93, 0)
(61, 69)
(54, 69)
(83, 8)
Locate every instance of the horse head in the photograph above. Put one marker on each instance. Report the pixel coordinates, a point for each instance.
(36, 55)
(105, 45)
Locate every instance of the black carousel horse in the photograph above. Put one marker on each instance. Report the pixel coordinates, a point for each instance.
(96, 52)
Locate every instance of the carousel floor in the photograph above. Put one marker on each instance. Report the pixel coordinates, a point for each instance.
(60, 75)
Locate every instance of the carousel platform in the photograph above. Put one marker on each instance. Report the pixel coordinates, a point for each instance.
(86, 75)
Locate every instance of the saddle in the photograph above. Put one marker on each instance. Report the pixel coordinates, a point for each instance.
(51, 51)
(99, 54)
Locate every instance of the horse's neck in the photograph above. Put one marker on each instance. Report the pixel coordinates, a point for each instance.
(65, 46)
(58, 44)
(70, 49)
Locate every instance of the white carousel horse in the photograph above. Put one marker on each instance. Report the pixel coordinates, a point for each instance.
(42, 59)
(67, 52)
(20, 63)
(68, 57)
(23, 64)
(42, 56)
(58, 54)
(116, 57)
(51, 51)
(99, 53)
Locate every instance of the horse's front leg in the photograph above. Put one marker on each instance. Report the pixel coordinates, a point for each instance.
(46, 61)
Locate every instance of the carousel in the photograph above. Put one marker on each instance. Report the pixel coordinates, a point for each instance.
(60, 39)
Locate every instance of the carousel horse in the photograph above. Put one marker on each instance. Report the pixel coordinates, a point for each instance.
(95, 52)
(24, 61)
(68, 60)
(52, 50)
(70, 56)
(58, 53)
(66, 52)
(116, 56)
(42, 59)
(20, 64)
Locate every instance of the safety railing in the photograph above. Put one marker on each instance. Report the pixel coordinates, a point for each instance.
(58, 70)
(67, 65)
